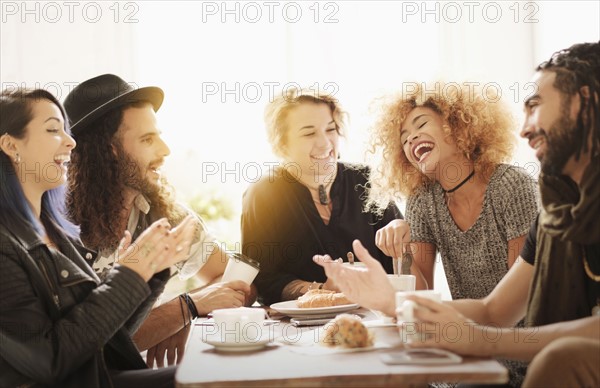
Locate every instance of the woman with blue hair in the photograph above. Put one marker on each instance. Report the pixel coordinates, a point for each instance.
(60, 325)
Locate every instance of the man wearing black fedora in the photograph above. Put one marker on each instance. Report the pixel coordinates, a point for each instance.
(115, 185)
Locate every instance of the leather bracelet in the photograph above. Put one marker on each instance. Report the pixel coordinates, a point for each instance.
(191, 305)
(181, 301)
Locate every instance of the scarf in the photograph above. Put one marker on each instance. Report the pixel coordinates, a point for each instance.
(569, 228)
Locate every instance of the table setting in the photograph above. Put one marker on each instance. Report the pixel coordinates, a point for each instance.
(290, 344)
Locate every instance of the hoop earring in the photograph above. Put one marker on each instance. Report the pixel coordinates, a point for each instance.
(17, 158)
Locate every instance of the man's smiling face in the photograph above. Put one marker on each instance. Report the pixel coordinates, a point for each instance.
(550, 124)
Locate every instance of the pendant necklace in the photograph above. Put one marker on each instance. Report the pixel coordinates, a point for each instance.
(323, 195)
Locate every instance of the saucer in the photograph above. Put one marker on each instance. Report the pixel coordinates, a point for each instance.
(237, 346)
(379, 323)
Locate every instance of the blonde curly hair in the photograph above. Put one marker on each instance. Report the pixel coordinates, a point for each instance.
(276, 113)
(476, 121)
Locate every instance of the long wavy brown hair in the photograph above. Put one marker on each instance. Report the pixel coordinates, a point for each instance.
(477, 122)
(97, 180)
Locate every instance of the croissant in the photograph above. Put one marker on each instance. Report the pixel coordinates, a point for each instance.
(321, 298)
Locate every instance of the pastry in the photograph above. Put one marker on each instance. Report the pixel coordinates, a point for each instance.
(346, 331)
(321, 298)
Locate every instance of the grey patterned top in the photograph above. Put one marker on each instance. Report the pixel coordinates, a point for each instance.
(475, 260)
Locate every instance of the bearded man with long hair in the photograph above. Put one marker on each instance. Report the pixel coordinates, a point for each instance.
(555, 282)
(116, 191)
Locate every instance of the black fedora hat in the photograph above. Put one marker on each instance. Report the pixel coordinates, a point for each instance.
(95, 97)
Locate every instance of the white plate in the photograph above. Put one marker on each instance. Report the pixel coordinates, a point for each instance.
(236, 346)
(291, 309)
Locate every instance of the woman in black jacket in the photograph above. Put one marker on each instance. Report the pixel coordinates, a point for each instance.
(59, 324)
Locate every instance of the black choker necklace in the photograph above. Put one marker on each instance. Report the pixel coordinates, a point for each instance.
(323, 195)
(460, 184)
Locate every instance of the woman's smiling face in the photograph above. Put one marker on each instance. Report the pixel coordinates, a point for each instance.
(424, 141)
(46, 148)
(312, 141)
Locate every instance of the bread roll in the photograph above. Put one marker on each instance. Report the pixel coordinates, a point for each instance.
(321, 298)
(346, 331)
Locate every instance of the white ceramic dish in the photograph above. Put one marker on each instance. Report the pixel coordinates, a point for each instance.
(291, 309)
(236, 346)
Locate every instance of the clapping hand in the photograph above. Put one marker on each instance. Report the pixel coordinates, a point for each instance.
(182, 236)
(157, 248)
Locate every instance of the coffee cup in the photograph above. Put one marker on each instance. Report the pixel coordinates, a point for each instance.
(405, 313)
(243, 325)
(402, 282)
(399, 283)
(356, 264)
(240, 267)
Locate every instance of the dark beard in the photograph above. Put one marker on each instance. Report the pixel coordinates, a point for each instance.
(132, 175)
(561, 145)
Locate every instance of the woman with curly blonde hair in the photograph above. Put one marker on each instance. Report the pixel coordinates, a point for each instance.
(444, 149)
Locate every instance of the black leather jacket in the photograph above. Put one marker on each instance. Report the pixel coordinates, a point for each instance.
(59, 324)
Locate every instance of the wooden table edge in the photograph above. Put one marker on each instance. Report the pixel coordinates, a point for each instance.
(404, 379)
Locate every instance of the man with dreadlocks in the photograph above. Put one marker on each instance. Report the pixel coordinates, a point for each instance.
(560, 264)
(115, 187)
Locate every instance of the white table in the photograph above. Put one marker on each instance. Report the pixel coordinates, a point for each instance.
(277, 365)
